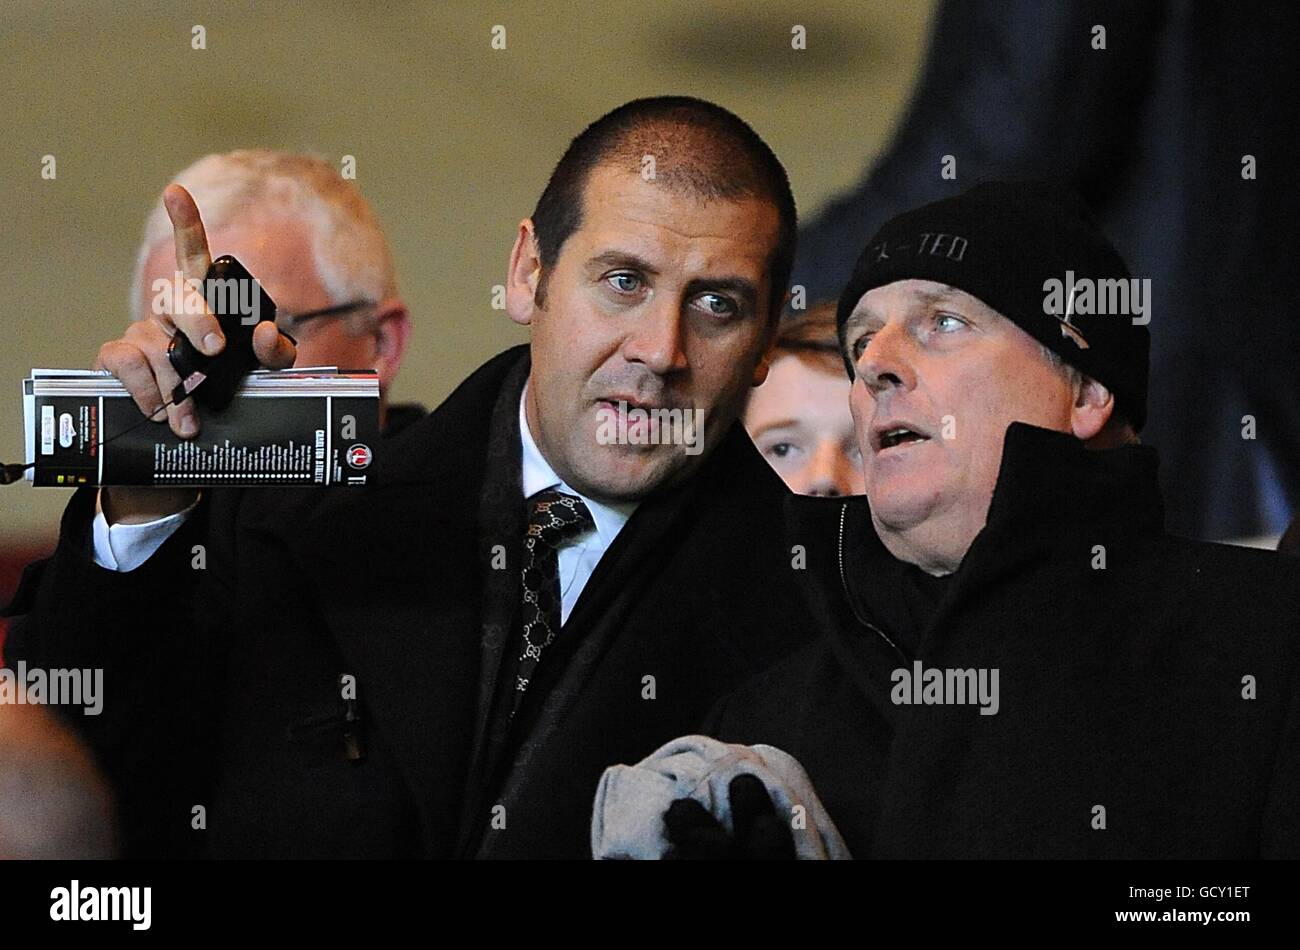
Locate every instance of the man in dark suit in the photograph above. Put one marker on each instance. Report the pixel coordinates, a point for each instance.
(561, 567)
(1015, 659)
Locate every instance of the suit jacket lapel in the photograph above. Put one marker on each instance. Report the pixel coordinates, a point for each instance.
(617, 584)
(646, 543)
(501, 519)
(617, 587)
(399, 588)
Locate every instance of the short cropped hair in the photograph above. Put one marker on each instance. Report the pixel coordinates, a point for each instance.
(352, 255)
(699, 148)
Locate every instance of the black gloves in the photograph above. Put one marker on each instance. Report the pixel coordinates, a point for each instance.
(761, 834)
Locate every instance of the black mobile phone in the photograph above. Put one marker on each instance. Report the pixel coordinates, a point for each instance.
(239, 303)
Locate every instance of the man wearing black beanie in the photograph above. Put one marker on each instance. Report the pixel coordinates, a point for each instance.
(1015, 659)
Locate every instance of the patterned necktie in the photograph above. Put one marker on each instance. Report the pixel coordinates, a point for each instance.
(553, 518)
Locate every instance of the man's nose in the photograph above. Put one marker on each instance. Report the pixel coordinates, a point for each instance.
(656, 339)
(886, 362)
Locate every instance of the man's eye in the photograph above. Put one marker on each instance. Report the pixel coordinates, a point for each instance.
(860, 346)
(947, 323)
(624, 283)
(718, 305)
(781, 449)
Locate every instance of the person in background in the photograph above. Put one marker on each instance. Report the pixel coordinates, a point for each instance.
(313, 243)
(799, 418)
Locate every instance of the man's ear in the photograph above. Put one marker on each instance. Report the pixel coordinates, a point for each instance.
(1093, 406)
(391, 333)
(524, 275)
(764, 365)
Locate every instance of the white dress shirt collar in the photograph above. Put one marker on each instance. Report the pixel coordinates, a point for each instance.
(539, 476)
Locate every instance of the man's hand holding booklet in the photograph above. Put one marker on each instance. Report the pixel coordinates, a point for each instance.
(311, 426)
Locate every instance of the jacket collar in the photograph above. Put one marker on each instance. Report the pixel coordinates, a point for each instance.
(425, 452)
(1048, 479)
(538, 475)
(1047, 483)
